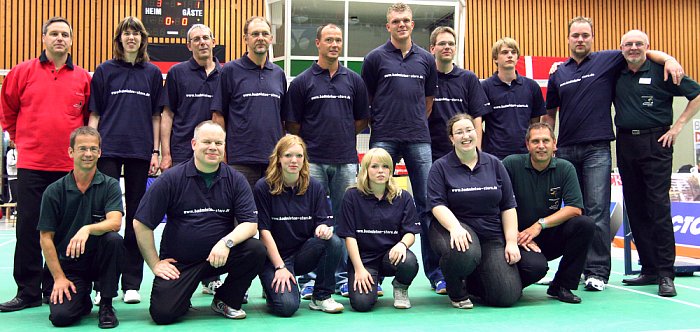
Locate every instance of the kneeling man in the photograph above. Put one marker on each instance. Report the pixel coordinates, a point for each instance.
(548, 230)
(81, 214)
(211, 222)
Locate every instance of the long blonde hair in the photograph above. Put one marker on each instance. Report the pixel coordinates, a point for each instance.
(273, 174)
(392, 189)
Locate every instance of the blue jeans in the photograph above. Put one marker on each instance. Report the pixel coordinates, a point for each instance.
(593, 164)
(335, 178)
(316, 254)
(418, 159)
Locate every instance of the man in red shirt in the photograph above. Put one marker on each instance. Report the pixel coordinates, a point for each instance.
(43, 100)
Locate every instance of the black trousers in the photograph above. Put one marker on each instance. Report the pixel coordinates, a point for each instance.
(101, 265)
(405, 273)
(570, 241)
(170, 299)
(645, 168)
(31, 279)
(252, 172)
(135, 177)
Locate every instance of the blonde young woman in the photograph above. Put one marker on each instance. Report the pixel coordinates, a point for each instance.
(379, 222)
(294, 222)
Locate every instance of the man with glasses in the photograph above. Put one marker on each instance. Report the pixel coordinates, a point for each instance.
(250, 103)
(645, 138)
(81, 215)
(43, 100)
(458, 91)
(582, 91)
(516, 101)
(401, 80)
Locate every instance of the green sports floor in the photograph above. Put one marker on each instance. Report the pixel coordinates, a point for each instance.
(618, 308)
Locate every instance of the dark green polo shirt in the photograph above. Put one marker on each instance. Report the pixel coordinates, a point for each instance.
(64, 209)
(539, 194)
(644, 100)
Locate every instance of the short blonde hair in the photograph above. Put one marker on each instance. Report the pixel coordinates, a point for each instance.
(505, 41)
(392, 189)
(398, 7)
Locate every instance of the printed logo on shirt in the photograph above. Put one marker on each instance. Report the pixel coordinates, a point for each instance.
(133, 92)
(554, 199)
(198, 95)
(292, 218)
(577, 79)
(260, 94)
(445, 99)
(461, 190)
(331, 97)
(376, 231)
(205, 210)
(420, 77)
(648, 101)
(510, 106)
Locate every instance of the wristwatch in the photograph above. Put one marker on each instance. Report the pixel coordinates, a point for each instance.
(280, 267)
(541, 222)
(228, 243)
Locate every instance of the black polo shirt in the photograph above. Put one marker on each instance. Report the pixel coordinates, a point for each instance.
(198, 217)
(326, 108)
(65, 209)
(292, 219)
(584, 94)
(644, 100)
(540, 194)
(397, 87)
(188, 93)
(251, 100)
(513, 106)
(476, 197)
(458, 91)
(377, 225)
(126, 97)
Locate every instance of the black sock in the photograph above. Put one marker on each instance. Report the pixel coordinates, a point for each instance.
(106, 301)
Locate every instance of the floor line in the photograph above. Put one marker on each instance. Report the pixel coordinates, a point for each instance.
(7, 242)
(695, 305)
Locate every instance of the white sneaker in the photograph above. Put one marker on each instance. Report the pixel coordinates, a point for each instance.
(132, 297)
(545, 281)
(401, 300)
(594, 284)
(211, 287)
(97, 299)
(466, 304)
(328, 305)
(228, 312)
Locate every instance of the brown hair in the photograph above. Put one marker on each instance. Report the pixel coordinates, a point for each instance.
(131, 22)
(439, 30)
(505, 41)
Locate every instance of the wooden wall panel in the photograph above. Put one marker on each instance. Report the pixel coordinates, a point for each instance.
(540, 27)
(94, 22)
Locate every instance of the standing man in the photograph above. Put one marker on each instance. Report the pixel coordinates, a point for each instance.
(43, 100)
(458, 91)
(582, 90)
(327, 107)
(645, 138)
(250, 103)
(401, 80)
(80, 216)
(211, 222)
(189, 89)
(541, 184)
(516, 101)
(11, 168)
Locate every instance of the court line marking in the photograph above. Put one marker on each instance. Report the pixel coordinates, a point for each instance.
(655, 296)
(7, 242)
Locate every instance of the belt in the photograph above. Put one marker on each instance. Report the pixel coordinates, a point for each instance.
(636, 132)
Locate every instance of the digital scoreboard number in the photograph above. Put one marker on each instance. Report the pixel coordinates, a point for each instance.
(164, 18)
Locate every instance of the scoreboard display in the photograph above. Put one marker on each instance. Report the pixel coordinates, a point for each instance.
(171, 18)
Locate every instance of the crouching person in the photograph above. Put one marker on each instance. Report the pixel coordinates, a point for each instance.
(211, 222)
(294, 224)
(81, 214)
(379, 222)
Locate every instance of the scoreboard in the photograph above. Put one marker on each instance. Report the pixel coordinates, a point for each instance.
(171, 18)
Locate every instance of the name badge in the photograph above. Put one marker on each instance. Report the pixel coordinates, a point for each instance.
(645, 80)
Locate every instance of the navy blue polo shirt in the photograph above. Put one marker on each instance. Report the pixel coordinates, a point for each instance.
(644, 100)
(397, 87)
(584, 94)
(458, 91)
(251, 100)
(326, 108)
(377, 225)
(292, 219)
(126, 97)
(476, 197)
(513, 106)
(188, 93)
(65, 209)
(197, 217)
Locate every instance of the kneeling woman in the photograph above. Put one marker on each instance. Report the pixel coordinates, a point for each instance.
(475, 226)
(293, 218)
(379, 223)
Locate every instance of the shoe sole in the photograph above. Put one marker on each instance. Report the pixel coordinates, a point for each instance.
(216, 310)
(132, 301)
(306, 297)
(108, 326)
(317, 308)
(441, 291)
(30, 305)
(400, 306)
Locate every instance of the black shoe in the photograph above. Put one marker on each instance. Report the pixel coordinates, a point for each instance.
(666, 287)
(18, 303)
(641, 280)
(108, 319)
(562, 294)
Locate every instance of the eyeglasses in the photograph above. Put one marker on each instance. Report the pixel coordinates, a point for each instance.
(93, 149)
(446, 43)
(639, 44)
